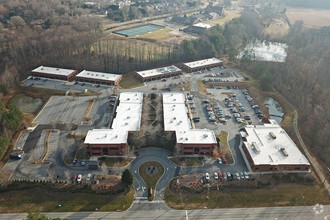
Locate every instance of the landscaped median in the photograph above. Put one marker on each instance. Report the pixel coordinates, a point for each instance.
(224, 147)
(61, 196)
(190, 193)
(151, 172)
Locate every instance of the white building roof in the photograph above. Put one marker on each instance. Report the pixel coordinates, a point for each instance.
(270, 144)
(53, 71)
(98, 75)
(201, 63)
(158, 71)
(176, 119)
(106, 136)
(192, 136)
(131, 97)
(203, 25)
(128, 118)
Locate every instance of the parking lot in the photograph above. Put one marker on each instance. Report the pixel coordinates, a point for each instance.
(63, 109)
(62, 85)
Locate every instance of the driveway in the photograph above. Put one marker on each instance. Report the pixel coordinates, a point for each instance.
(160, 156)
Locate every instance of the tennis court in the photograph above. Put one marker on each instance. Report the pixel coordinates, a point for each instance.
(129, 32)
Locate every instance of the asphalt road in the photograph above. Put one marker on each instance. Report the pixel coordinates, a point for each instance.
(160, 156)
(157, 211)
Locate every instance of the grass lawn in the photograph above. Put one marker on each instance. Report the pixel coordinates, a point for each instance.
(188, 161)
(230, 15)
(223, 136)
(151, 179)
(129, 82)
(280, 195)
(201, 87)
(38, 199)
(157, 35)
(115, 161)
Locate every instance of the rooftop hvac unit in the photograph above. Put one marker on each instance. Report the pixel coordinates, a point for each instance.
(205, 135)
(126, 123)
(128, 117)
(186, 139)
(57, 69)
(272, 135)
(255, 147)
(284, 152)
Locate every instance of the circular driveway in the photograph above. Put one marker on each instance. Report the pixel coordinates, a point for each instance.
(160, 156)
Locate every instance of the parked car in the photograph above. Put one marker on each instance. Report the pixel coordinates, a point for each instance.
(164, 80)
(246, 175)
(83, 163)
(224, 176)
(237, 176)
(246, 117)
(216, 176)
(224, 160)
(219, 161)
(74, 178)
(220, 175)
(229, 175)
(242, 175)
(15, 156)
(205, 101)
(83, 84)
(79, 178)
(89, 177)
(74, 161)
(207, 176)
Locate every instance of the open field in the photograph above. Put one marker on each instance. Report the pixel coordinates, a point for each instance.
(312, 18)
(277, 28)
(129, 82)
(230, 15)
(42, 200)
(239, 197)
(157, 35)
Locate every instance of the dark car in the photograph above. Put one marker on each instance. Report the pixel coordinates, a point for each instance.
(246, 117)
(74, 161)
(83, 84)
(75, 83)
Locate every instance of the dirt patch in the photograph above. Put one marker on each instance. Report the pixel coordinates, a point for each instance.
(106, 183)
(312, 18)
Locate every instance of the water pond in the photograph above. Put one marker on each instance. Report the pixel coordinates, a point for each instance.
(274, 109)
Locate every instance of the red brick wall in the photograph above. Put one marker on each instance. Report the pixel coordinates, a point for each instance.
(107, 149)
(203, 149)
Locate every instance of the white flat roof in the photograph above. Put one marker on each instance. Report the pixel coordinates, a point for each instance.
(200, 63)
(131, 97)
(128, 118)
(106, 136)
(159, 71)
(53, 70)
(98, 75)
(176, 119)
(264, 149)
(173, 98)
(203, 25)
(202, 136)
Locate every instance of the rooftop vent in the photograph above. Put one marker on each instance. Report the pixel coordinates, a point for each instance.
(284, 152)
(272, 135)
(255, 147)
(186, 139)
(205, 135)
(126, 123)
(57, 69)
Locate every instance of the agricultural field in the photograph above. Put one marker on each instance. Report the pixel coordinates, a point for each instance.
(312, 18)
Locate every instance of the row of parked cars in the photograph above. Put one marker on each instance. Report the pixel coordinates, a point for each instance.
(228, 175)
(78, 178)
(253, 104)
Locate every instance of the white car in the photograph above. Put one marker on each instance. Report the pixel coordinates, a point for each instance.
(79, 178)
(219, 161)
(246, 175)
(207, 176)
(216, 176)
(242, 175)
(89, 177)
